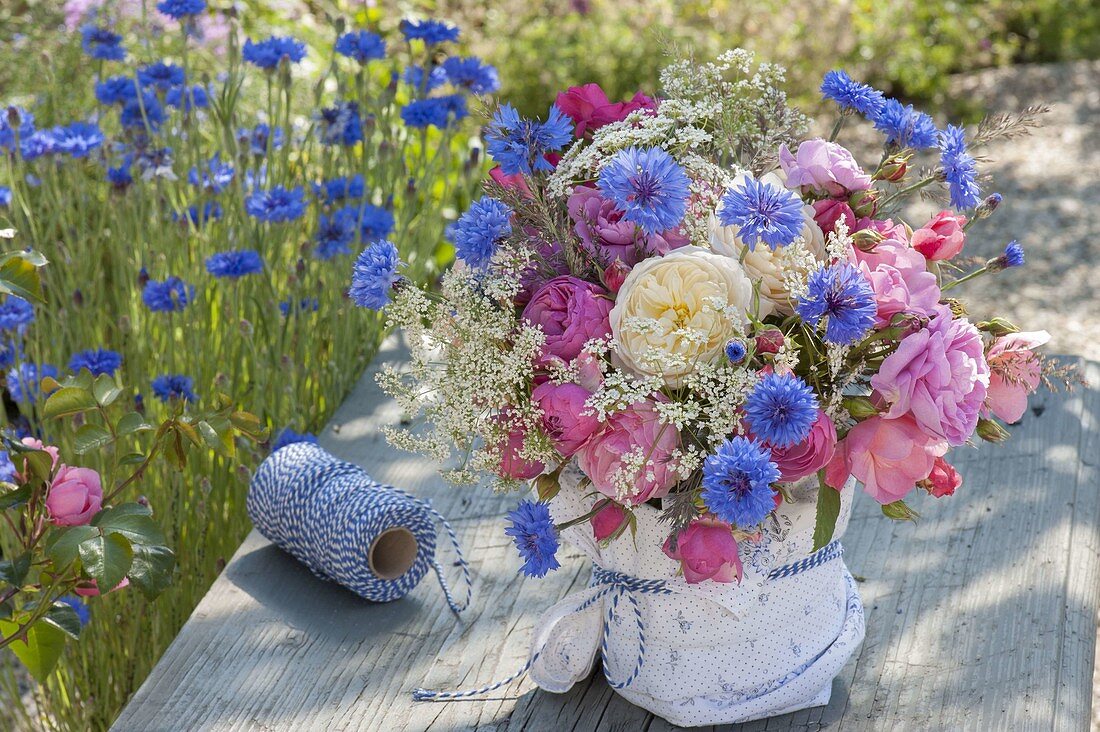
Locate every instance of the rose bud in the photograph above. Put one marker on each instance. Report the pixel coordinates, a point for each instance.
(990, 431)
(608, 521)
(864, 203)
(615, 274)
(893, 168)
(769, 340)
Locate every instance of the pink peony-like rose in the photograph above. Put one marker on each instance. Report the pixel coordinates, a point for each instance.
(823, 168)
(607, 237)
(590, 109)
(943, 480)
(1015, 372)
(888, 456)
(564, 416)
(906, 290)
(570, 312)
(636, 429)
(75, 496)
(810, 455)
(938, 375)
(608, 520)
(706, 550)
(942, 237)
(512, 463)
(90, 588)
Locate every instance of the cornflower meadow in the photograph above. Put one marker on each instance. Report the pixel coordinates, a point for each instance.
(199, 220)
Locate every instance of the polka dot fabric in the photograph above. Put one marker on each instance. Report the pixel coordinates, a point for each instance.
(709, 653)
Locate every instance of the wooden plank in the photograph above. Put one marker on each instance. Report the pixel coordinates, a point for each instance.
(980, 615)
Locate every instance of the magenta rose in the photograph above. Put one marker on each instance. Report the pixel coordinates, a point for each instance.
(942, 237)
(590, 109)
(810, 455)
(1015, 372)
(608, 237)
(706, 550)
(608, 520)
(823, 168)
(512, 463)
(563, 415)
(75, 496)
(548, 263)
(570, 312)
(636, 428)
(888, 456)
(830, 210)
(939, 376)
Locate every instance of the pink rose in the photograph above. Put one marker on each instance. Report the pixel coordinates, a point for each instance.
(517, 181)
(810, 455)
(512, 463)
(938, 375)
(636, 428)
(589, 371)
(564, 416)
(608, 520)
(823, 168)
(943, 480)
(90, 588)
(36, 444)
(75, 496)
(706, 550)
(906, 290)
(590, 109)
(607, 237)
(570, 312)
(888, 456)
(1015, 372)
(942, 237)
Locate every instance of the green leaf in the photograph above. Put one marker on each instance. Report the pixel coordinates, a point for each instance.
(41, 649)
(14, 571)
(220, 441)
(107, 559)
(133, 521)
(17, 497)
(19, 276)
(133, 458)
(64, 617)
(131, 423)
(90, 437)
(61, 546)
(898, 511)
(152, 570)
(105, 389)
(828, 508)
(247, 422)
(68, 400)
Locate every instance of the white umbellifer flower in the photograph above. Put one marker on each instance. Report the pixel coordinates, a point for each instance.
(677, 311)
(775, 270)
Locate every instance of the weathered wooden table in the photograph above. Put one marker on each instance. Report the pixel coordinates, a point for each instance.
(982, 615)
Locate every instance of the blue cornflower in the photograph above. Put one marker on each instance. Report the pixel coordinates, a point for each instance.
(186, 98)
(116, 90)
(781, 409)
(38, 144)
(648, 186)
(24, 381)
(532, 529)
(455, 104)
(341, 124)
(960, 170)
(375, 222)
(98, 361)
(477, 231)
(78, 139)
(120, 177)
(519, 145)
(905, 127)
(362, 46)
(429, 31)
(374, 275)
(735, 350)
(762, 212)
(470, 73)
(161, 75)
(337, 189)
(102, 44)
(15, 314)
(305, 305)
(234, 264)
(288, 436)
(79, 606)
(335, 233)
(199, 216)
(267, 53)
(23, 122)
(276, 205)
(260, 136)
(7, 467)
(737, 481)
(5, 196)
(414, 76)
(181, 9)
(420, 113)
(843, 296)
(1013, 255)
(155, 162)
(170, 387)
(850, 94)
(171, 295)
(138, 111)
(214, 177)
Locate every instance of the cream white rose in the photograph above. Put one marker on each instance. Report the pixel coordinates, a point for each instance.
(679, 310)
(774, 270)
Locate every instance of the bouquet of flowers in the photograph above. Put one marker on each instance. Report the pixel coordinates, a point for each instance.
(673, 312)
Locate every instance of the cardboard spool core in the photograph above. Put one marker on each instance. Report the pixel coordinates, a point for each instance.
(392, 553)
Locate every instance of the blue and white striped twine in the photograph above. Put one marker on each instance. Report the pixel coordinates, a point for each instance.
(617, 584)
(327, 513)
